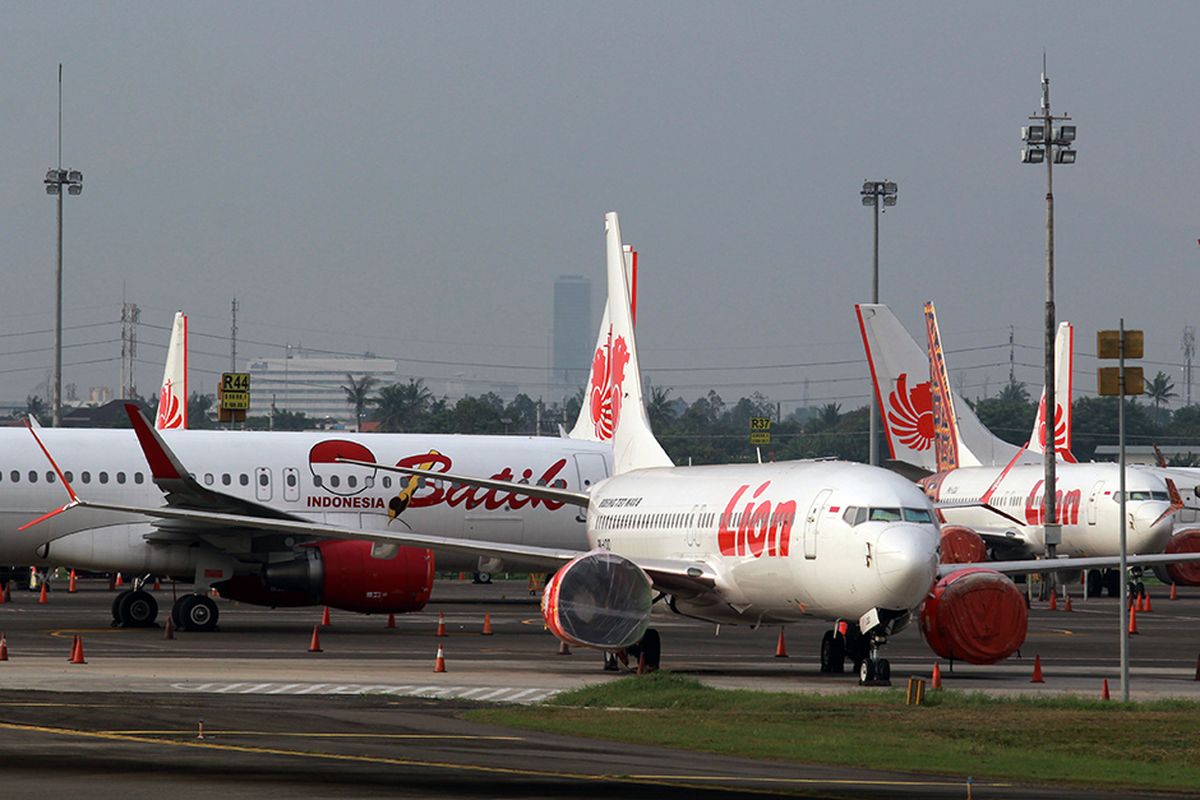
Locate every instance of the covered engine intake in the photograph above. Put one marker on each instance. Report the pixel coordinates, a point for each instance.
(1187, 541)
(350, 575)
(598, 599)
(961, 545)
(974, 615)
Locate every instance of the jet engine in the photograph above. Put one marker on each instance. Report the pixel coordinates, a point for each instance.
(598, 599)
(349, 575)
(961, 545)
(974, 615)
(1187, 541)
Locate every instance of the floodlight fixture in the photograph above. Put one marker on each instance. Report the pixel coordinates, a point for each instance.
(1032, 155)
(1033, 133)
(1064, 156)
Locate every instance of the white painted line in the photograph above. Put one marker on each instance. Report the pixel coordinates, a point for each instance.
(230, 687)
(495, 693)
(285, 688)
(255, 689)
(470, 692)
(312, 688)
(397, 689)
(337, 690)
(520, 694)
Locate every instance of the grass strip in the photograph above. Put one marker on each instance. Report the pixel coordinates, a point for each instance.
(1035, 739)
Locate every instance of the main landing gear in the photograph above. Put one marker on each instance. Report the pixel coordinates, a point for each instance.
(134, 608)
(847, 642)
(1108, 582)
(646, 653)
(195, 612)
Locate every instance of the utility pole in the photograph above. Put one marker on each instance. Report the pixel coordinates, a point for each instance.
(129, 321)
(1189, 351)
(1050, 144)
(233, 338)
(58, 180)
(876, 194)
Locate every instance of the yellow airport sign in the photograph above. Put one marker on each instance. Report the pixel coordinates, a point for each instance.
(1110, 381)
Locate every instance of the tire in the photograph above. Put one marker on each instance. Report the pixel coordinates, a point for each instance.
(137, 610)
(1095, 583)
(116, 605)
(195, 612)
(866, 671)
(827, 652)
(883, 670)
(652, 648)
(838, 663)
(483, 577)
(1112, 583)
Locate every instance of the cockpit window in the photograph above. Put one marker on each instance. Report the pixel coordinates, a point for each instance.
(1160, 495)
(884, 515)
(1131, 497)
(917, 515)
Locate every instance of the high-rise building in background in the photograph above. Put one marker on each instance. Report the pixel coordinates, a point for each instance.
(573, 333)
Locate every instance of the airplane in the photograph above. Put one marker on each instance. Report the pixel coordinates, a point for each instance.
(1003, 505)
(748, 544)
(292, 476)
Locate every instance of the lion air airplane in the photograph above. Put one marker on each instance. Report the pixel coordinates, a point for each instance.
(1001, 508)
(748, 543)
(293, 476)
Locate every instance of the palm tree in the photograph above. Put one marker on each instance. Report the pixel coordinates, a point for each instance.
(1160, 390)
(36, 407)
(358, 396)
(400, 406)
(660, 410)
(1014, 391)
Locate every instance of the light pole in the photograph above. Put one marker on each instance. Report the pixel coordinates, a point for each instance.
(1053, 145)
(872, 193)
(56, 181)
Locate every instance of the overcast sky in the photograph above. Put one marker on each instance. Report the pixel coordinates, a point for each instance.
(409, 179)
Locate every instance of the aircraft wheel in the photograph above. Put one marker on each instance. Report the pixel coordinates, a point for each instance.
(883, 670)
(1112, 583)
(610, 662)
(482, 577)
(866, 671)
(827, 652)
(1095, 583)
(837, 663)
(651, 646)
(195, 612)
(116, 606)
(137, 610)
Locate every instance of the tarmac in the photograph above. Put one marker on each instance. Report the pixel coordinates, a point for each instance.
(367, 716)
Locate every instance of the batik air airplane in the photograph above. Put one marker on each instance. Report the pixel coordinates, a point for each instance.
(1004, 504)
(292, 476)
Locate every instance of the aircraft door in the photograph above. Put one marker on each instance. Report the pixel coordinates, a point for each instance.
(262, 484)
(592, 469)
(291, 484)
(1093, 502)
(811, 522)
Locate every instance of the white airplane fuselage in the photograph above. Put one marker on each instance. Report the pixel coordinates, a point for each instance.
(1087, 503)
(777, 536)
(291, 472)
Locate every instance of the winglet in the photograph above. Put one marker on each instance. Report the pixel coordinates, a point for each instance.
(163, 463)
(1176, 502)
(66, 484)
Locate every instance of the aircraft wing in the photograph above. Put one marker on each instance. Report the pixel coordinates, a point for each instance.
(1033, 565)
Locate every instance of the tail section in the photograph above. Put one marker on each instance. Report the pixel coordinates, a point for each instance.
(948, 448)
(173, 396)
(592, 425)
(619, 397)
(1064, 358)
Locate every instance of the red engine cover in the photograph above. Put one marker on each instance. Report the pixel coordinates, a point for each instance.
(961, 545)
(1185, 542)
(974, 615)
(598, 599)
(355, 580)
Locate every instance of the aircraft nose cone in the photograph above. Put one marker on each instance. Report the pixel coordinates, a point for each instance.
(906, 561)
(1150, 530)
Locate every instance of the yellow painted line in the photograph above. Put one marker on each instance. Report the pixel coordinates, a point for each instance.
(318, 734)
(832, 781)
(80, 631)
(670, 781)
(16, 704)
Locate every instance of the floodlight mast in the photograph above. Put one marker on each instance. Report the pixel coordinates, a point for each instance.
(58, 180)
(872, 192)
(1046, 143)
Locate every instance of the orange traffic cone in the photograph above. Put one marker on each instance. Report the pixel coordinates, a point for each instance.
(565, 650)
(4, 599)
(1104, 691)
(1067, 606)
(3, 648)
(314, 646)
(439, 663)
(935, 682)
(71, 583)
(42, 595)
(1037, 671)
(157, 585)
(325, 618)
(441, 629)
(487, 624)
(1174, 591)
(1148, 609)
(169, 628)
(118, 581)
(391, 623)
(1054, 601)
(462, 576)
(1133, 621)
(780, 647)
(77, 652)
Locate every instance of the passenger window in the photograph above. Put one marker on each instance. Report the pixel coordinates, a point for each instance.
(103, 477)
(263, 480)
(317, 481)
(120, 477)
(226, 479)
(352, 481)
(32, 476)
(334, 480)
(387, 481)
(291, 479)
(86, 477)
(368, 482)
(70, 476)
(244, 479)
(50, 476)
(138, 477)
(208, 479)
